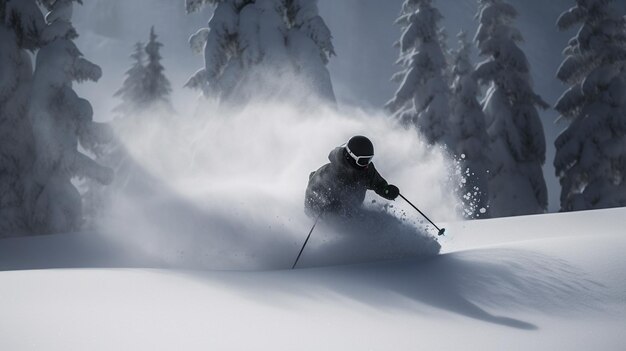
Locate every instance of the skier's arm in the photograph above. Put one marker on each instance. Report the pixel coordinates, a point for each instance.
(376, 181)
(380, 185)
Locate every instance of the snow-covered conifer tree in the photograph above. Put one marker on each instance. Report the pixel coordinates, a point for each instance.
(60, 119)
(591, 153)
(518, 147)
(251, 45)
(145, 93)
(422, 100)
(468, 133)
(146, 85)
(132, 92)
(155, 85)
(448, 54)
(21, 22)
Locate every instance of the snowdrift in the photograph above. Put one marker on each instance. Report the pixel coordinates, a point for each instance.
(368, 235)
(374, 236)
(553, 282)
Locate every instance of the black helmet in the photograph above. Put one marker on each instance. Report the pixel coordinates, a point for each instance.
(360, 149)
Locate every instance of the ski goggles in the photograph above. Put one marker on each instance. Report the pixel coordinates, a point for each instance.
(362, 161)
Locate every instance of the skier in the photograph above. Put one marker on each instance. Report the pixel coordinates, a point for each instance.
(339, 186)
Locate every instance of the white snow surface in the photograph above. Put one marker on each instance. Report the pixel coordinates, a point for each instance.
(542, 282)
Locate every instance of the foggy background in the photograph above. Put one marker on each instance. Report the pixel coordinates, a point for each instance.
(363, 31)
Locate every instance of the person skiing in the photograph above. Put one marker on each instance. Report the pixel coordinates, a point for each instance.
(339, 186)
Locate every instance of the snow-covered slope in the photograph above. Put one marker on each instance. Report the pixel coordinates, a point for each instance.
(545, 282)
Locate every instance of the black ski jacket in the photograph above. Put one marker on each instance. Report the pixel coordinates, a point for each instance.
(339, 186)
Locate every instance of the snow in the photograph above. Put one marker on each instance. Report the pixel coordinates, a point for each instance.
(538, 282)
(198, 40)
(183, 188)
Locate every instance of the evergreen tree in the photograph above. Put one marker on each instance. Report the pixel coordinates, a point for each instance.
(516, 184)
(145, 85)
(468, 132)
(144, 93)
(422, 100)
(590, 159)
(60, 120)
(21, 23)
(448, 54)
(250, 45)
(156, 86)
(132, 92)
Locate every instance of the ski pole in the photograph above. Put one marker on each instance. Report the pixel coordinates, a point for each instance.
(307, 239)
(441, 231)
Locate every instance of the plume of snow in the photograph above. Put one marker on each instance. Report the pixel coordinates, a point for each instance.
(225, 188)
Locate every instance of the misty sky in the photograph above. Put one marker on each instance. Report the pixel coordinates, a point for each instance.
(363, 31)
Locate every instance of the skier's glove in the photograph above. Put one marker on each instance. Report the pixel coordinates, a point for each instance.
(391, 192)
